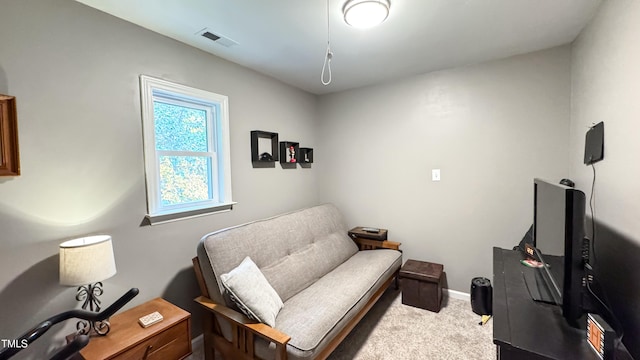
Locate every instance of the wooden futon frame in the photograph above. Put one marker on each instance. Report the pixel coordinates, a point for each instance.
(244, 330)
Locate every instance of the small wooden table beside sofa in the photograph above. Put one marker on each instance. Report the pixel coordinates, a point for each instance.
(326, 284)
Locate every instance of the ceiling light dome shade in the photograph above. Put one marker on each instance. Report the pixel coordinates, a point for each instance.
(365, 13)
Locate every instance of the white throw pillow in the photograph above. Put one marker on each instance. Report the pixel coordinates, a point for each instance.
(251, 291)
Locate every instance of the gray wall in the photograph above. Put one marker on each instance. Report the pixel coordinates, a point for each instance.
(74, 71)
(606, 87)
(490, 128)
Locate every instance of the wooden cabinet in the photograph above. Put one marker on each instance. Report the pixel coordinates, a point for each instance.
(167, 340)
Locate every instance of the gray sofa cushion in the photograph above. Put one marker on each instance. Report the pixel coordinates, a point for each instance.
(292, 250)
(300, 269)
(317, 310)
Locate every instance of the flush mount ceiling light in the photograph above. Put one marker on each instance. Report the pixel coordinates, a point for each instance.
(365, 13)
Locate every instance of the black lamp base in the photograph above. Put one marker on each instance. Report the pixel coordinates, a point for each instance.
(89, 294)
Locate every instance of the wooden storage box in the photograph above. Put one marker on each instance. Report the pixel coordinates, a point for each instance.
(421, 284)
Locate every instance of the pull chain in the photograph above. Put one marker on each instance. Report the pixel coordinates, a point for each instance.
(327, 58)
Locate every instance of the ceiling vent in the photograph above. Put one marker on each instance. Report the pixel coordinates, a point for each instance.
(217, 38)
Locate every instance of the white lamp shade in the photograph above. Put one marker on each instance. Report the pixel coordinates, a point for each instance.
(86, 260)
(365, 13)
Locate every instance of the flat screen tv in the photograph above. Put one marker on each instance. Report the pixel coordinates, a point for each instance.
(558, 232)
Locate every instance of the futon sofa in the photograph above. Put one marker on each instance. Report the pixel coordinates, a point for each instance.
(325, 284)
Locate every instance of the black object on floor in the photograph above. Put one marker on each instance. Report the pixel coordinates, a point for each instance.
(481, 296)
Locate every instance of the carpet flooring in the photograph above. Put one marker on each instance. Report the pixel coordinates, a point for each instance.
(393, 331)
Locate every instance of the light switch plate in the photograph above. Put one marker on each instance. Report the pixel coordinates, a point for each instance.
(435, 175)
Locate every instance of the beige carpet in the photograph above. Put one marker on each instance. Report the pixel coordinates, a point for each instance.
(393, 331)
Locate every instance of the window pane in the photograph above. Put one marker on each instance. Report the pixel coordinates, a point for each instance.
(184, 179)
(180, 128)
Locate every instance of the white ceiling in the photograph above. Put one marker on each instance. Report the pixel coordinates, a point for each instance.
(287, 39)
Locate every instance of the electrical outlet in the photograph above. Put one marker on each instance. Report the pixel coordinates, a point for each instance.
(435, 175)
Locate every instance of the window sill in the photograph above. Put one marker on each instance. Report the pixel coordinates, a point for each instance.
(183, 214)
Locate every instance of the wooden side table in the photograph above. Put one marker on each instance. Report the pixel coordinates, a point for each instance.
(368, 244)
(167, 340)
(372, 241)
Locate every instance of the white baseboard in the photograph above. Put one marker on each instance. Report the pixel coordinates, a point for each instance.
(457, 294)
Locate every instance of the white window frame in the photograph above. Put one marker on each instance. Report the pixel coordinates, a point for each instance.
(217, 107)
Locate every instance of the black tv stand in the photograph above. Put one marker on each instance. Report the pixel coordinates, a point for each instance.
(526, 329)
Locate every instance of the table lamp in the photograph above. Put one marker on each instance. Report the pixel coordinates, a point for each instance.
(86, 262)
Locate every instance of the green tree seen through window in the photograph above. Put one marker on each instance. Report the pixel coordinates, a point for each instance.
(180, 128)
(183, 179)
